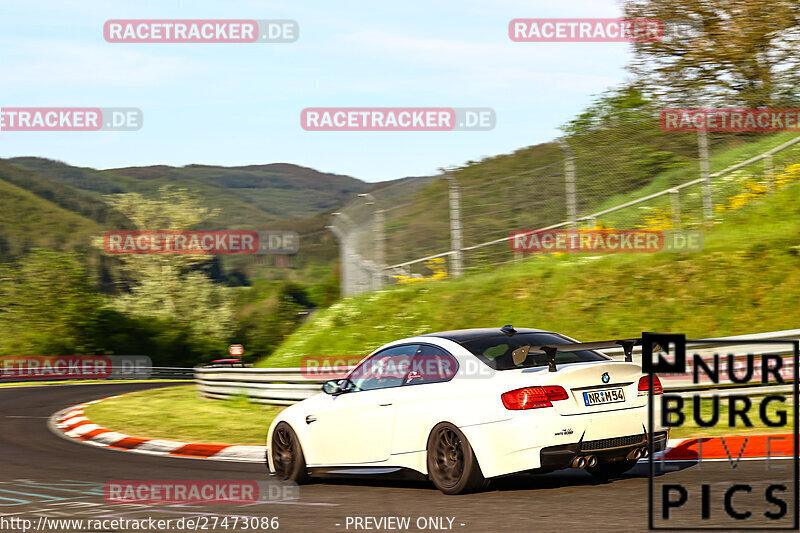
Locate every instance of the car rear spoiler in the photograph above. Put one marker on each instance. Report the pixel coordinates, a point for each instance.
(551, 349)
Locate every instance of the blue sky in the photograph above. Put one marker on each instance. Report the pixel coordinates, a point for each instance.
(238, 104)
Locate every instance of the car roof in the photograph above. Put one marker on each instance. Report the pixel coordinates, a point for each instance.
(465, 335)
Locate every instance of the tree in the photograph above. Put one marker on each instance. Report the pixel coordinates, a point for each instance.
(619, 146)
(268, 312)
(735, 52)
(167, 286)
(46, 305)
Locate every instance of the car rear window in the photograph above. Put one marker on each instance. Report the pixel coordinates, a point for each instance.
(497, 351)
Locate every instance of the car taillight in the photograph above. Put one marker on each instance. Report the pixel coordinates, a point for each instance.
(533, 397)
(555, 393)
(657, 388)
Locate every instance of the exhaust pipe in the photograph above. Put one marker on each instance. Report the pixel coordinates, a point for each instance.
(645, 451)
(578, 462)
(634, 454)
(591, 461)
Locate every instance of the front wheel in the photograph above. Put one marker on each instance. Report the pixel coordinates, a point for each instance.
(452, 465)
(611, 470)
(287, 455)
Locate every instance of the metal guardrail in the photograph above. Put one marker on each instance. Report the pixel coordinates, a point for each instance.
(783, 335)
(171, 372)
(276, 386)
(285, 386)
(159, 372)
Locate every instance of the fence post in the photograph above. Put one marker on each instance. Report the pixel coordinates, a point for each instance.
(675, 201)
(769, 171)
(340, 236)
(380, 248)
(705, 173)
(569, 180)
(345, 235)
(455, 224)
(378, 221)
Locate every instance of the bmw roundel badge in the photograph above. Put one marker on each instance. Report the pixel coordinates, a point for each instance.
(605, 377)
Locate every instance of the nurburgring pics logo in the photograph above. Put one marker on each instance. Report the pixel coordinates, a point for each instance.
(738, 480)
(397, 119)
(730, 119)
(604, 241)
(565, 30)
(201, 31)
(200, 242)
(70, 119)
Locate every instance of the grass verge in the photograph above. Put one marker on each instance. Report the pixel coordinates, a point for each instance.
(178, 413)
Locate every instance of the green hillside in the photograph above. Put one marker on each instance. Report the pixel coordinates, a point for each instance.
(28, 219)
(248, 196)
(747, 279)
(278, 196)
(620, 154)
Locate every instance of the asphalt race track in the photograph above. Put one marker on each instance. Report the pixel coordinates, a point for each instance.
(43, 474)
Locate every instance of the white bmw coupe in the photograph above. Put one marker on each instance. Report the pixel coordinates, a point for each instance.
(462, 407)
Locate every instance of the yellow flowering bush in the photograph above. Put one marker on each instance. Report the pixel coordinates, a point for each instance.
(437, 265)
(755, 188)
(659, 218)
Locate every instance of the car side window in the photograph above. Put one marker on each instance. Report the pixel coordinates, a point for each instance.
(387, 368)
(431, 364)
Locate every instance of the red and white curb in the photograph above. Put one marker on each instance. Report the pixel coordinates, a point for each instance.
(73, 424)
(730, 448)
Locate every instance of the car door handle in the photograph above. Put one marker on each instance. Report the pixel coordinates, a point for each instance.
(385, 404)
(310, 419)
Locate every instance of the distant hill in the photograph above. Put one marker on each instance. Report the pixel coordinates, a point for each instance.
(249, 195)
(36, 212)
(50, 204)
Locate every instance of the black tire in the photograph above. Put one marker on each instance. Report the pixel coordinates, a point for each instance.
(287, 455)
(611, 470)
(452, 466)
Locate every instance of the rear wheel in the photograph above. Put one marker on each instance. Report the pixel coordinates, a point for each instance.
(452, 465)
(287, 456)
(611, 470)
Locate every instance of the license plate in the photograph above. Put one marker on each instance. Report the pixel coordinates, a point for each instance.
(597, 397)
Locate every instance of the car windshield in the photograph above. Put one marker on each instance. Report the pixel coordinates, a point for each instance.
(502, 352)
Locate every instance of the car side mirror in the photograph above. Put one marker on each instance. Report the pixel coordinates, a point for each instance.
(330, 387)
(336, 387)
